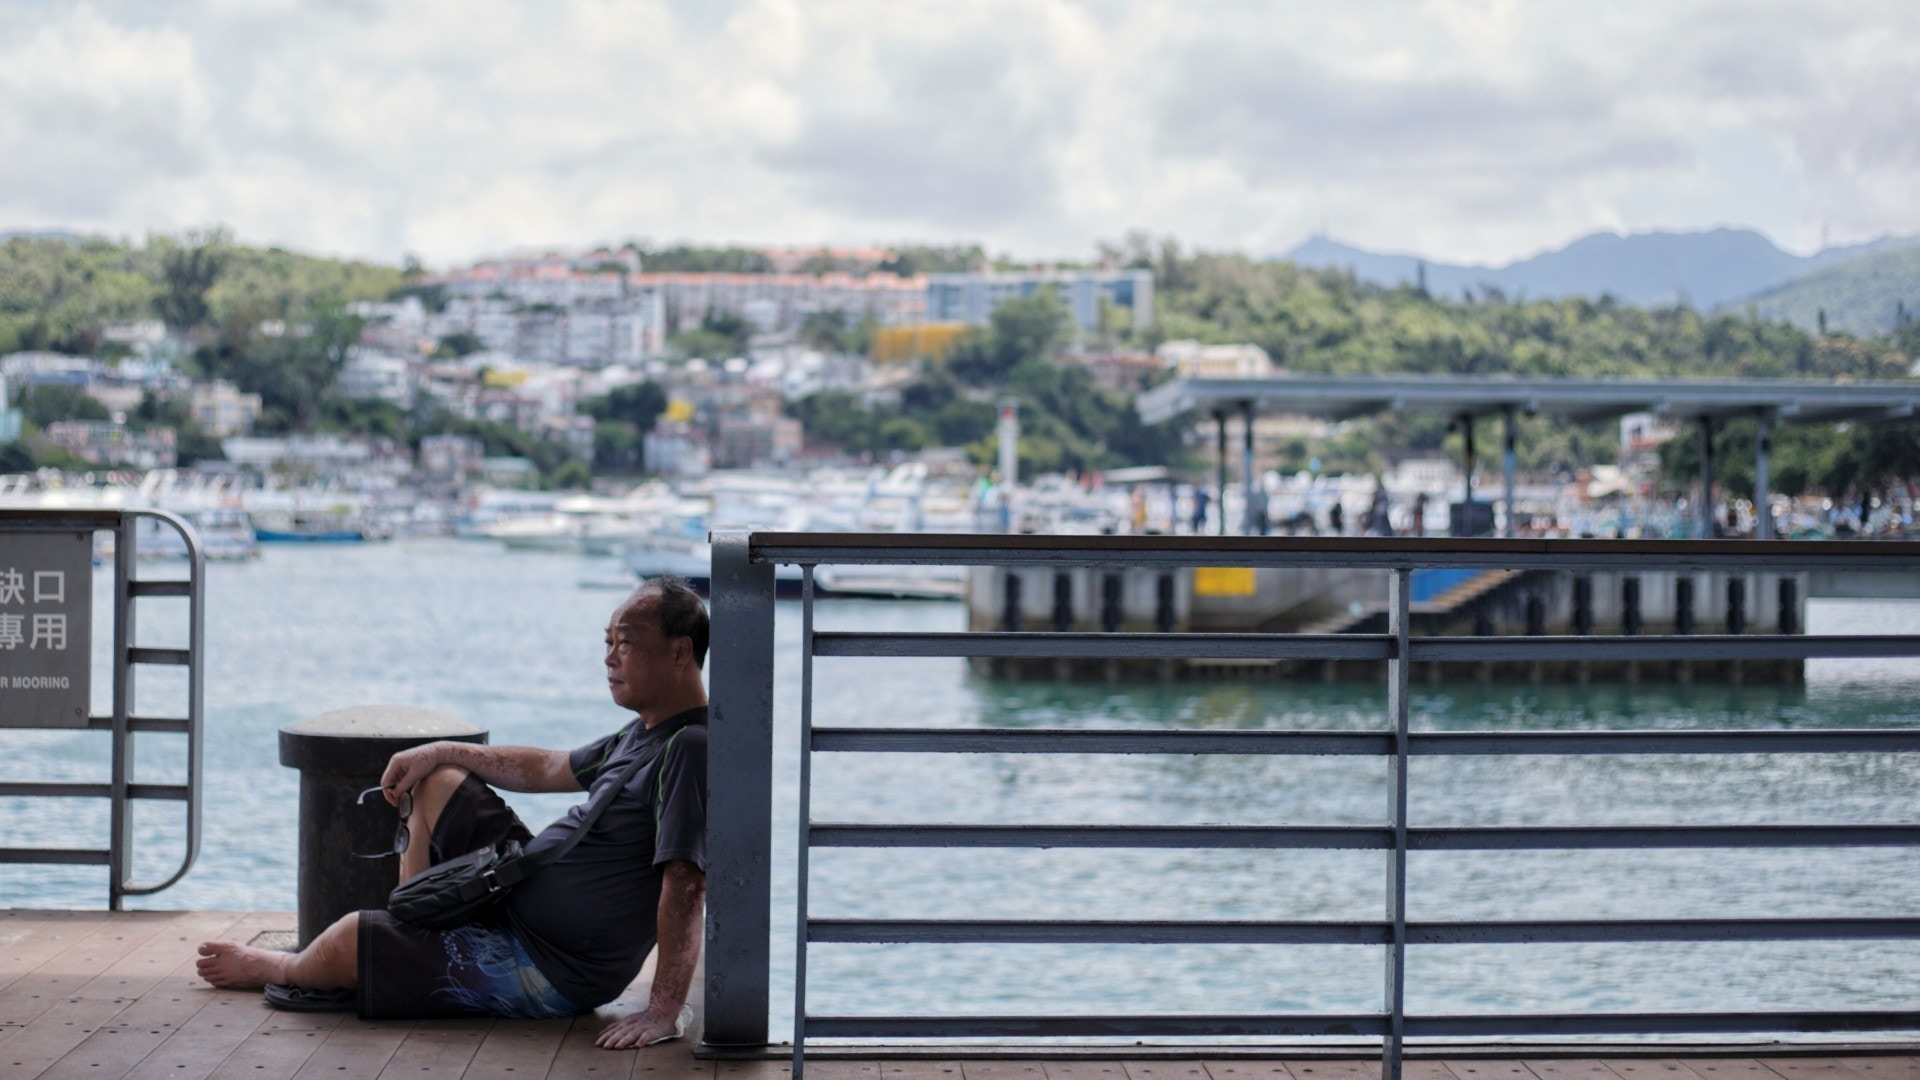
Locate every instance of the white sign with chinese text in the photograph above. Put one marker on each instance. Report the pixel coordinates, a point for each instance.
(46, 643)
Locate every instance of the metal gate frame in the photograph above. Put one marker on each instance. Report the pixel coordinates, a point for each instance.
(740, 762)
(121, 725)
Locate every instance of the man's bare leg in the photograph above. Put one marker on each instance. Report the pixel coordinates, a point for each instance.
(329, 962)
(429, 799)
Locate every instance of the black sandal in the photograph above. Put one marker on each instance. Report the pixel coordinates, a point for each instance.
(300, 999)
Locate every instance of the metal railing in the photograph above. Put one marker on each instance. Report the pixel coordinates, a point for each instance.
(120, 724)
(739, 841)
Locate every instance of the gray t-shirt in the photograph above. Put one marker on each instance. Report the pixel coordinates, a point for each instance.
(589, 920)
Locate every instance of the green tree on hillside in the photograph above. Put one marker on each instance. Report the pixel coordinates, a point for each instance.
(293, 370)
(188, 271)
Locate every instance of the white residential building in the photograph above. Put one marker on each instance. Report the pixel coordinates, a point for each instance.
(370, 373)
(971, 298)
(1196, 361)
(221, 410)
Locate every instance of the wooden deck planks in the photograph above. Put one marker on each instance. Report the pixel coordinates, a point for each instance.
(114, 997)
(437, 1050)
(83, 1010)
(30, 938)
(1569, 1069)
(1247, 1070)
(355, 1048)
(1086, 1070)
(117, 1046)
(277, 1046)
(516, 1050)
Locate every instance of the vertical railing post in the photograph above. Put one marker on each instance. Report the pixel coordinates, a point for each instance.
(740, 806)
(1399, 592)
(804, 820)
(120, 814)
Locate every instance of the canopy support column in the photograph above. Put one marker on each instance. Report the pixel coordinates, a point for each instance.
(1466, 433)
(1706, 477)
(1247, 524)
(1507, 463)
(1220, 469)
(1762, 451)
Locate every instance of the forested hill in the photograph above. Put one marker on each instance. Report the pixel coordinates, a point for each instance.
(58, 292)
(1328, 321)
(1869, 296)
(1719, 267)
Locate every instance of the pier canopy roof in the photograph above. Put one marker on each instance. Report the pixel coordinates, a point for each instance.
(1346, 397)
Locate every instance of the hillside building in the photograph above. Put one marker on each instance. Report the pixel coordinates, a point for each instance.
(971, 298)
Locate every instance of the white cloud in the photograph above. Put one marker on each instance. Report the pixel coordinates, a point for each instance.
(1466, 130)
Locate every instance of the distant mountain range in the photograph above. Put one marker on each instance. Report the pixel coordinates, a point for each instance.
(1719, 268)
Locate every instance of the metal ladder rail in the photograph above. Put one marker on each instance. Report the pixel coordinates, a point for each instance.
(120, 723)
(126, 655)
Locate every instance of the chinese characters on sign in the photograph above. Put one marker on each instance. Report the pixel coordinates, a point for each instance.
(46, 607)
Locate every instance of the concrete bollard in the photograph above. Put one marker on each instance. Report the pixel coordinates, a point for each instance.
(340, 754)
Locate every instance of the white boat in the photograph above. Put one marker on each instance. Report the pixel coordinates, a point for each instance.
(225, 535)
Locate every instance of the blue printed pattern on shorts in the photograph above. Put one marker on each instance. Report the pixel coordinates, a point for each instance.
(489, 971)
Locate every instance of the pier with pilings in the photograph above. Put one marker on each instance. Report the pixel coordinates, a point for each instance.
(1446, 602)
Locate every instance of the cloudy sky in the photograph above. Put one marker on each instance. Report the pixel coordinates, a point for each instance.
(1459, 130)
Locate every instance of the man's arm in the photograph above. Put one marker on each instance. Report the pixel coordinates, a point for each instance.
(515, 768)
(683, 889)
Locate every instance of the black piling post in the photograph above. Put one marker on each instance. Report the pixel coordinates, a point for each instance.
(1062, 602)
(1789, 606)
(1010, 604)
(1163, 604)
(1683, 605)
(1110, 603)
(1582, 604)
(1736, 605)
(1630, 606)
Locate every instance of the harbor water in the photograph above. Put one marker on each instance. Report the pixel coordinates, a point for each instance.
(512, 642)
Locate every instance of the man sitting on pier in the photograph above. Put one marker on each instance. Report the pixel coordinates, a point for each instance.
(573, 936)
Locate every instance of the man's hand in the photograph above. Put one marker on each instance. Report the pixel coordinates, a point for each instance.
(645, 1028)
(407, 768)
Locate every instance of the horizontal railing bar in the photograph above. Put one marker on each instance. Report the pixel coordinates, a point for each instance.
(1081, 646)
(55, 856)
(1664, 647)
(1148, 932)
(1071, 741)
(1164, 932)
(166, 792)
(1660, 1023)
(173, 657)
(166, 725)
(1662, 930)
(942, 1027)
(950, 1027)
(52, 789)
(1004, 645)
(156, 587)
(995, 549)
(1603, 837)
(1327, 837)
(36, 789)
(1832, 741)
(1364, 837)
(1353, 743)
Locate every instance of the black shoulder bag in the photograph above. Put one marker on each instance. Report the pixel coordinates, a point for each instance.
(461, 889)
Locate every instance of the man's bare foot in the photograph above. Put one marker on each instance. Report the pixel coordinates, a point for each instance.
(233, 966)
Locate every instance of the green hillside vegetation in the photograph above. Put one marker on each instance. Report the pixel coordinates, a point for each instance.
(1866, 297)
(271, 321)
(274, 322)
(59, 295)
